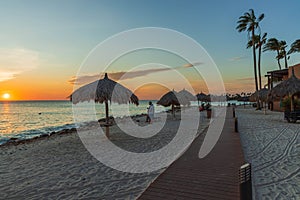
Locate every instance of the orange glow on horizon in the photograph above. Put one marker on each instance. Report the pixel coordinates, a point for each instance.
(150, 91)
(36, 88)
(41, 88)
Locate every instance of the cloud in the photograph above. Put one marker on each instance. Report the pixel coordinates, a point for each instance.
(238, 86)
(83, 79)
(238, 58)
(192, 64)
(16, 61)
(245, 84)
(124, 75)
(250, 79)
(245, 79)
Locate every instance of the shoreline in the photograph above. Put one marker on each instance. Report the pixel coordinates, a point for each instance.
(18, 141)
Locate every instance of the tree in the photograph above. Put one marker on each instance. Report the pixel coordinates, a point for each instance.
(279, 46)
(295, 47)
(249, 22)
(259, 42)
(282, 53)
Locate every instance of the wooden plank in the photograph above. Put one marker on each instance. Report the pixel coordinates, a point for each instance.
(213, 177)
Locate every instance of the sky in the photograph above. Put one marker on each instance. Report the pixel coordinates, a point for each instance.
(43, 44)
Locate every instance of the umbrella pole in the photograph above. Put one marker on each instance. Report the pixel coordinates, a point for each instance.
(292, 103)
(106, 112)
(107, 119)
(173, 113)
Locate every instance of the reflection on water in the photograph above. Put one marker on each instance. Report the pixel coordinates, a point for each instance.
(32, 118)
(5, 118)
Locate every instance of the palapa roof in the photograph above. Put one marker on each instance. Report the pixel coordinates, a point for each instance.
(288, 87)
(104, 90)
(186, 96)
(263, 95)
(202, 97)
(170, 98)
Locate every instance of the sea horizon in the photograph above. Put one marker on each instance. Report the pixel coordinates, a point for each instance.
(32, 118)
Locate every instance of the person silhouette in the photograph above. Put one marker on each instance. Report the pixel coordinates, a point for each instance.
(150, 112)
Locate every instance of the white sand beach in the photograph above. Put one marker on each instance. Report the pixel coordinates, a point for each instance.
(60, 167)
(272, 146)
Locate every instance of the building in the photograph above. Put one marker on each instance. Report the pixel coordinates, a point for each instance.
(277, 76)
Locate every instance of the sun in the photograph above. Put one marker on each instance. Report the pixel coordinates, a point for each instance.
(6, 96)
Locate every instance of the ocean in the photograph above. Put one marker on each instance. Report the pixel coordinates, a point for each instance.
(28, 119)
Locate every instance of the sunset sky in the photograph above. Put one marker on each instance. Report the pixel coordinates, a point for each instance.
(44, 43)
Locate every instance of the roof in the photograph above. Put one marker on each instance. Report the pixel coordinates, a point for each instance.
(278, 73)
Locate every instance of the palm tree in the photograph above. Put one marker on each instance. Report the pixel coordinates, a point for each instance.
(282, 52)
(259, 42)
(295, 47)
(273, 45)
(279, 46)
(248, 22)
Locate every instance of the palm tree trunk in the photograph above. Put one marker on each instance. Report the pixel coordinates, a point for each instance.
(285, 61)
(278, 60)
(259, 69)
(254, 64)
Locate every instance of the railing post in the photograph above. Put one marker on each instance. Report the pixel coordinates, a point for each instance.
(233, 112)
(236, 125)
(245, 182)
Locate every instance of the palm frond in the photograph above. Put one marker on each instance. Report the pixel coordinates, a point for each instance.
(261, 17)
(295, 47)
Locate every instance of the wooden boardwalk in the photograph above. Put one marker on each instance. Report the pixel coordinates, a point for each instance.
(213, 177)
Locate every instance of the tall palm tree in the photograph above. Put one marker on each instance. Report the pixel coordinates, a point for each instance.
(295, 47)
(249, 22)
(259, 42)
(273, 45)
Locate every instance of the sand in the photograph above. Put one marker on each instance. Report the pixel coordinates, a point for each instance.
(272, 146)
(60, 167)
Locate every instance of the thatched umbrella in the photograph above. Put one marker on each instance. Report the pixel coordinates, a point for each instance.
(202, 97)
(184, 94)
(289, 87)
(170, 99)
(261, 94)
(102, 91)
